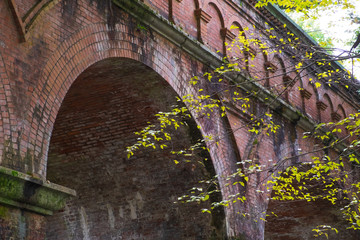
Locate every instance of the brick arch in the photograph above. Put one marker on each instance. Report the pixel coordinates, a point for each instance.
(315, 90)
(94, 124)
(311, 102)
(91, 45)
(265, 71)
(237, 53)
(87, 47)
(84, 48)
(281, 63)
(338, 115)
(328, 100)
(275, 67)
(341, 110)
(213, 36)
(326, 114)
(240, 29)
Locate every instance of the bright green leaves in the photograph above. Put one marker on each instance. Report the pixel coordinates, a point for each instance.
(352, 210)
(323, 230)
(321, 176)
(305, 6)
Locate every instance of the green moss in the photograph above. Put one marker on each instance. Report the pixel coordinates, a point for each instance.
(14, 173)
(301, 115)
(3, 212)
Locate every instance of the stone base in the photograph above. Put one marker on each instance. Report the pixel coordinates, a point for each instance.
(24, 203)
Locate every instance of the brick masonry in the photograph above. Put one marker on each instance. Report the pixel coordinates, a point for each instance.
(79, 76)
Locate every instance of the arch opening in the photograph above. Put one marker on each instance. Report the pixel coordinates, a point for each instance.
(117, 197)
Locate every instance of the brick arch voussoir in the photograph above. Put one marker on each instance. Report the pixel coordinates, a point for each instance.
(74, 56)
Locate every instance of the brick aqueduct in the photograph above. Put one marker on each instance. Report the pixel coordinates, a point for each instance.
(79, 76)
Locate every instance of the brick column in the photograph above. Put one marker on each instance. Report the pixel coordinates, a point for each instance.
(227, 37)
(202, 19)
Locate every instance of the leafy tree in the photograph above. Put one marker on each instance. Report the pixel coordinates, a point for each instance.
(334, 163)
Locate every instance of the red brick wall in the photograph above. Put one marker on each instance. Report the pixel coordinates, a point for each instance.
(184, 16)
(59, 25)
(66, 37)
(213, 37)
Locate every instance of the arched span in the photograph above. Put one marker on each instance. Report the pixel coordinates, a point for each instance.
(93, 44)
(82, 49)
(238, 30)
(106, 103)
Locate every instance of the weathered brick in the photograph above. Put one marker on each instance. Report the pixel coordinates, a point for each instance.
(44, 123)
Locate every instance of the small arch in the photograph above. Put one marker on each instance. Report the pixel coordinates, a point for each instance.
(281, 63)
(327, 98)
(325, 108)
(286, 81)
(316, 92)
(241, 30)
(338, 116)
(341, 111)
(302, 92)
(218, 12)
(213, 36)
(311, 92)
(237, 52)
